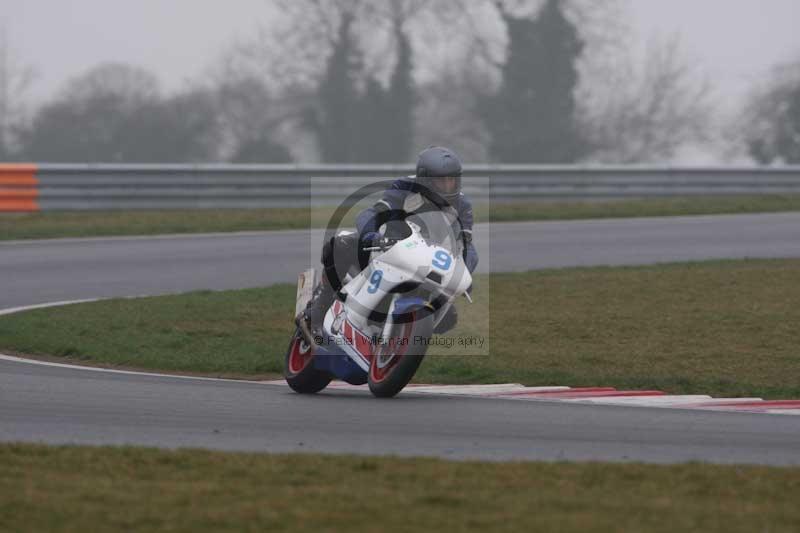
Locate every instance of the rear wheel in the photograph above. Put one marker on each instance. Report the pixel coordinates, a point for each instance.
(396, 361)
(298, 368)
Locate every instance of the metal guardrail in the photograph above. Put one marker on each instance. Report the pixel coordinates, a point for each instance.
(28, 187)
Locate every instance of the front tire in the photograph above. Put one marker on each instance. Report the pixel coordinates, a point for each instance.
(298, 367)
(395, 363)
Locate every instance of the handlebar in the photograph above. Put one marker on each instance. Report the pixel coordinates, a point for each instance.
(384, 245)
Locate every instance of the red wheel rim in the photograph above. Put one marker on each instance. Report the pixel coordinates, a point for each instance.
(300, 355)
(393, 346)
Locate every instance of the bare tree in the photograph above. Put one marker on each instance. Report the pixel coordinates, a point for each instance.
(268, 83)
(115, 113)
(602, 26)
(15, 80)
(447, 113)
(129, 85)
(336, 71)
(252, 119)
(647, 112)
(770, 121)
(91, 117)
(632, 110)
(478, 37)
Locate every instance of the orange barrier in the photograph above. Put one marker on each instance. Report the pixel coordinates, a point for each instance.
(19, 188)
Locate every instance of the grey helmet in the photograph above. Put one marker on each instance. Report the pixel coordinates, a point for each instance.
(439, 162)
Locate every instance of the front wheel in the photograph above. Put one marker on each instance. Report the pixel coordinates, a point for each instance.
(396, 361)
(298, 368)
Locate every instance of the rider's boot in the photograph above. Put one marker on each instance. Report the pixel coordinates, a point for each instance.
(310, 320)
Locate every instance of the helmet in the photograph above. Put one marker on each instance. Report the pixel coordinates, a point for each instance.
(438, 162)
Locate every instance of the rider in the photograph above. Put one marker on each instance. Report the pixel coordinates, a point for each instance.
(436, 185)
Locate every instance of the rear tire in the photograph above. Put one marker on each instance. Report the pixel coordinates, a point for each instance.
(403, 359)
(298, 367)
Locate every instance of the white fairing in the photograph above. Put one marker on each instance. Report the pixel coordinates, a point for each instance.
(409, 260)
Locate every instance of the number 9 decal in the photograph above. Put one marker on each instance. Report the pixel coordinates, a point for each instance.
(375, 281)
(442, 260)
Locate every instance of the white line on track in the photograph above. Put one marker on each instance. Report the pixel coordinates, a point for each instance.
(14, 359)
(12, 310)
(163, 237)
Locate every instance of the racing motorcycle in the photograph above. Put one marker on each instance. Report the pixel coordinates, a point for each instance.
(379, 333)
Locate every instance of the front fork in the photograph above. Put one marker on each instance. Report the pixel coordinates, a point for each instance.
(387, 326)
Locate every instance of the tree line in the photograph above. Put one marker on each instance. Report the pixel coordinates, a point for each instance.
(358, 81)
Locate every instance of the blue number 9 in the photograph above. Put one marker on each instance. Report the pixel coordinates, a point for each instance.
(442, 260)
(375, 281)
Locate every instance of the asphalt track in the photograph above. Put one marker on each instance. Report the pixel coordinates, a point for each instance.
(64, 405)
(44, 271)
(78, 406)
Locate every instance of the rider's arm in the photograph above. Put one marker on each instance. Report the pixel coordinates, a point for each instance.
(466, 217)
(372, 218)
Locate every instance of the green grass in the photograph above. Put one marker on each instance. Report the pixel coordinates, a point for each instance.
(56, 224)
(114, 223)
(227, 333)
(722, 328)
(136, 489)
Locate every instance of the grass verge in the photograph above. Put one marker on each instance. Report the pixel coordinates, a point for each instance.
(722, 328)
(117, 223)
(115, 489)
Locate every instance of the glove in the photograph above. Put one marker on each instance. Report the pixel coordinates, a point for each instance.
(371, 238)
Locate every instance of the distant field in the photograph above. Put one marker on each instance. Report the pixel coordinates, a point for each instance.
(727, 328)
(109, 223)
(125, 489)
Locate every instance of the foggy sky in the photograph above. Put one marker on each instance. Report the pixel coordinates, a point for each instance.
(735, 42)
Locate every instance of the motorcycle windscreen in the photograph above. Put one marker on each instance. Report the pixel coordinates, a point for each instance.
(440, 227)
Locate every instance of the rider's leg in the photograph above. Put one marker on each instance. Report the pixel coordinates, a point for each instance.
(320, 302)
(338, 255)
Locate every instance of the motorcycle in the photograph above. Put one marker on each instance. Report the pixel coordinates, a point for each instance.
(380, 332)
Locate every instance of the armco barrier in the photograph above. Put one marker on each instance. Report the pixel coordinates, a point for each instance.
(28, 187)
